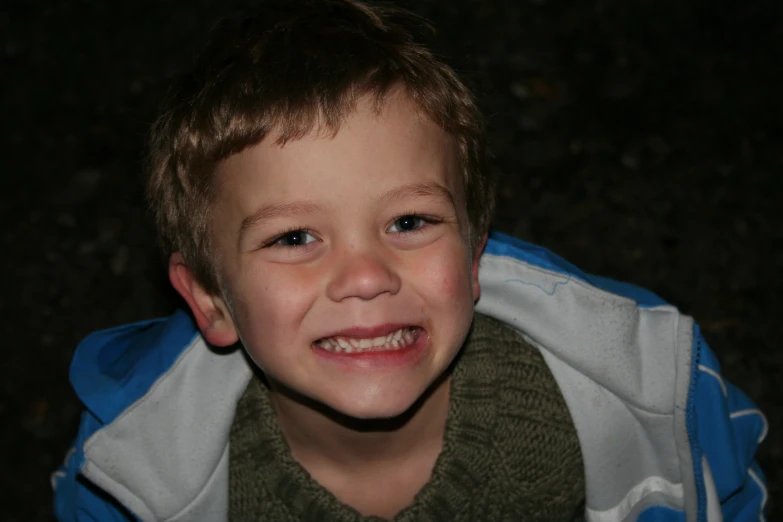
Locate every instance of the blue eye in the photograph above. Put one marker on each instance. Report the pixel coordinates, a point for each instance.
(408, 223)
(294, 238)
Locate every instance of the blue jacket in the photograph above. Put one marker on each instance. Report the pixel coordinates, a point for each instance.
(663, 436)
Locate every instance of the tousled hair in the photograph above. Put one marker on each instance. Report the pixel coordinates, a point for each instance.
(296, 65)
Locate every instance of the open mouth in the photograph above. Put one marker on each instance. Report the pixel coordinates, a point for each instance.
(397, 340)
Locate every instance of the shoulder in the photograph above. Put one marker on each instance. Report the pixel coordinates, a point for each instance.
(111, 370)
(632, 369)
(141, 384)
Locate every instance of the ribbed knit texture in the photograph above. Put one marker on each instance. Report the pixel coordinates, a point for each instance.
(510, 450)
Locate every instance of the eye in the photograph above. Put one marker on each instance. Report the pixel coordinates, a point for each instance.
(408, 223)
(293, 239)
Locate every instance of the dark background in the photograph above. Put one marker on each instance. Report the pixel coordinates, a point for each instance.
(639, 139)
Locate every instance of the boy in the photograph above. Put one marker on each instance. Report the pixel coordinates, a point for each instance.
(319, 182)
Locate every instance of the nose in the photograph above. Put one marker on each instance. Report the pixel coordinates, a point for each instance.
(364, 274)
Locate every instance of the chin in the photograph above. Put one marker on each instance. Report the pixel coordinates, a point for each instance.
(376, 410)
(391, 408)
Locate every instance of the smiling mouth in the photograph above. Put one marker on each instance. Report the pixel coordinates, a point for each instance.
(397, 340)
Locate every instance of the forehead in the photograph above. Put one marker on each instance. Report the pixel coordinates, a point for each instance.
(393, 141)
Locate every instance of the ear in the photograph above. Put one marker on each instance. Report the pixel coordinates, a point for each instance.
(474, 269)
(210, 311)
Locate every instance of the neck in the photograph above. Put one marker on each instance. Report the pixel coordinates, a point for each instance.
(318, 435)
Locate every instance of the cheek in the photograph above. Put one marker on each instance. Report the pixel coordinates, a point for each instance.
(271, 302)
(452, 278)
(453, 287)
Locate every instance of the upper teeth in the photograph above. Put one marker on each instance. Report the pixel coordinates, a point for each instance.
(393, 341)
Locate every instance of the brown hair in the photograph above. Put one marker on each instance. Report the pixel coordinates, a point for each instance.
(295, 65)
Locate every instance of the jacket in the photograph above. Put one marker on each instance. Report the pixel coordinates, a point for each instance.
(664, 438)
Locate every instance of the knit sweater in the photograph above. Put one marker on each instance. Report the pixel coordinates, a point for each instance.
(510, 450)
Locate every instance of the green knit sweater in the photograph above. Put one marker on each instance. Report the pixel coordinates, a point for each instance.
(510, 450)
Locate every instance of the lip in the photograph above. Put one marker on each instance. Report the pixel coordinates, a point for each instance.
(368, 332)
(377, 360)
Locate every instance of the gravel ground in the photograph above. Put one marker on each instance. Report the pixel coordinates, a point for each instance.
(638, 139)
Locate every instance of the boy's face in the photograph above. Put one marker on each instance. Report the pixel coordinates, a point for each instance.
(329, 242)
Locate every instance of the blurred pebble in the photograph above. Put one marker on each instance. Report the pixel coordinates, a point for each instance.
(629, 161)
(520, 91)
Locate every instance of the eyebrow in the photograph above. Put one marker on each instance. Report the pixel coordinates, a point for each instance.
(305, 208)
(276, 210)
(428, 189)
